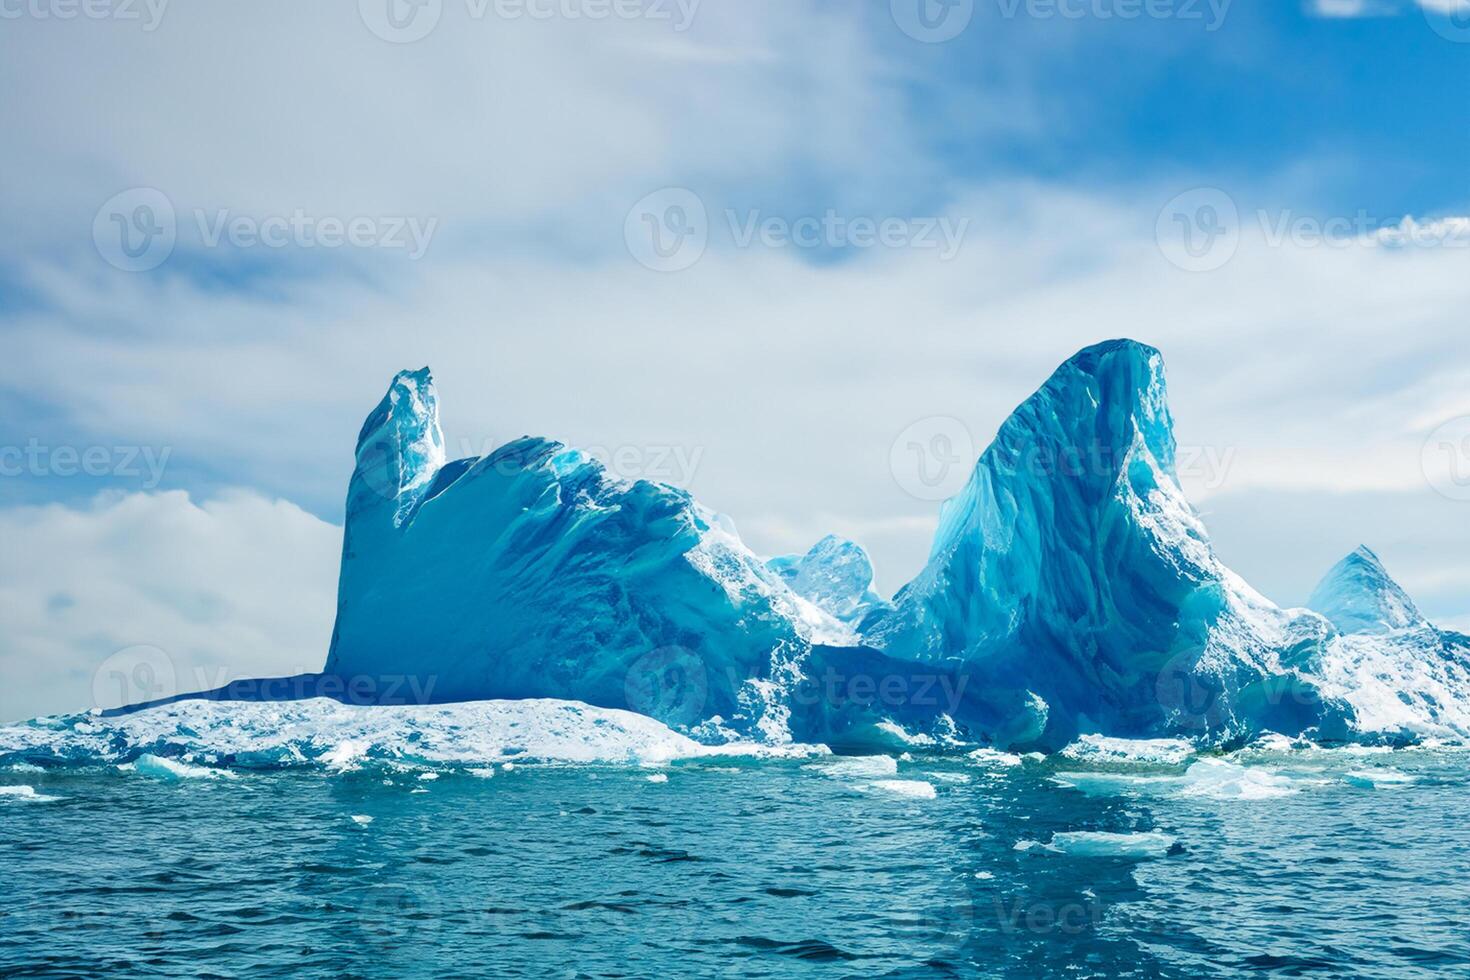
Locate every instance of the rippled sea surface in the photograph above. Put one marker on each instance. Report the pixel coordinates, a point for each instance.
(1332, 864)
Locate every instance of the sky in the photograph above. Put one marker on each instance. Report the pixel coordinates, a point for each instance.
(800, 257)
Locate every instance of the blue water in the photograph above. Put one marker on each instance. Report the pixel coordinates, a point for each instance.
(745, 868)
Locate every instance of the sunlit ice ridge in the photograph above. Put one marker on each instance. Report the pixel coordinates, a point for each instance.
(1071, 590)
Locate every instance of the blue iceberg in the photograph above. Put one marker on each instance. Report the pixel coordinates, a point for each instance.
(1074, 585)
(533, 572)
(1070, 590)
(1403, 678)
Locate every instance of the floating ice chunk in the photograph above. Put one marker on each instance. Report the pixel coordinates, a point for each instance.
(428, 776)
(483, 772)
(913, 788)
(1153, 751)
(1220, 780)
(345, 754)
(1093, 843)
(26, 793)
(171, 769)
(902, 736)
(994, 758)
(361, 819)
(1112, 783)
(859, 767)
(948, 777)
(658, 777)
(1096, 843)
(1374, 778)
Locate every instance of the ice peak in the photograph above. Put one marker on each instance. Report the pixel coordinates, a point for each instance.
(400, 446)
(1359, 596)
(1100, 405)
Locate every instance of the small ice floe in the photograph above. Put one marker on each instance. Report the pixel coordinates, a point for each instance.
(482, 772)
(1275, 742)
(983, 876)
(1102, 844)
(508, 767)
(1215, 779)
(428, 776)
(913, 788)
(345, 755)
(994, 758)
(948, 777)
(657, 777)
(172, 769)
(1374, 778)
(1220, 780)
(1112, 783)
(25, 794)
(858, 767)
(899, 735)
(1148, 751)
(361, 819)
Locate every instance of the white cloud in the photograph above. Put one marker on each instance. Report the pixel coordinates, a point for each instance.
(487, 124)
(1304, 368)
(154, 593)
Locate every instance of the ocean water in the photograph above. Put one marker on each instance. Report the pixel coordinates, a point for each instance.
(1283, 863)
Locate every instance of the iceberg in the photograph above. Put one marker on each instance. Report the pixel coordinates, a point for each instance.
(1071, 598)
(533, 572)
(1403, 677)
(1073, 584)
(835, 575)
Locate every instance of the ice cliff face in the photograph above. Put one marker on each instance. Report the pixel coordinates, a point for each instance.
(1074, 584)
(532, 572)
(1402, 676)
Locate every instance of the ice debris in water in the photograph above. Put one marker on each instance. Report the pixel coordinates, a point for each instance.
(993, 758)
(860, 767)
(1374, 778)
(1210, 778)
(1093, 844)
(26, 794)
(172, 769)
(913, 788)
(1099, 748)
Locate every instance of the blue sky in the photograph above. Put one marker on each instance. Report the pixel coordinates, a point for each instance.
(514, 152)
